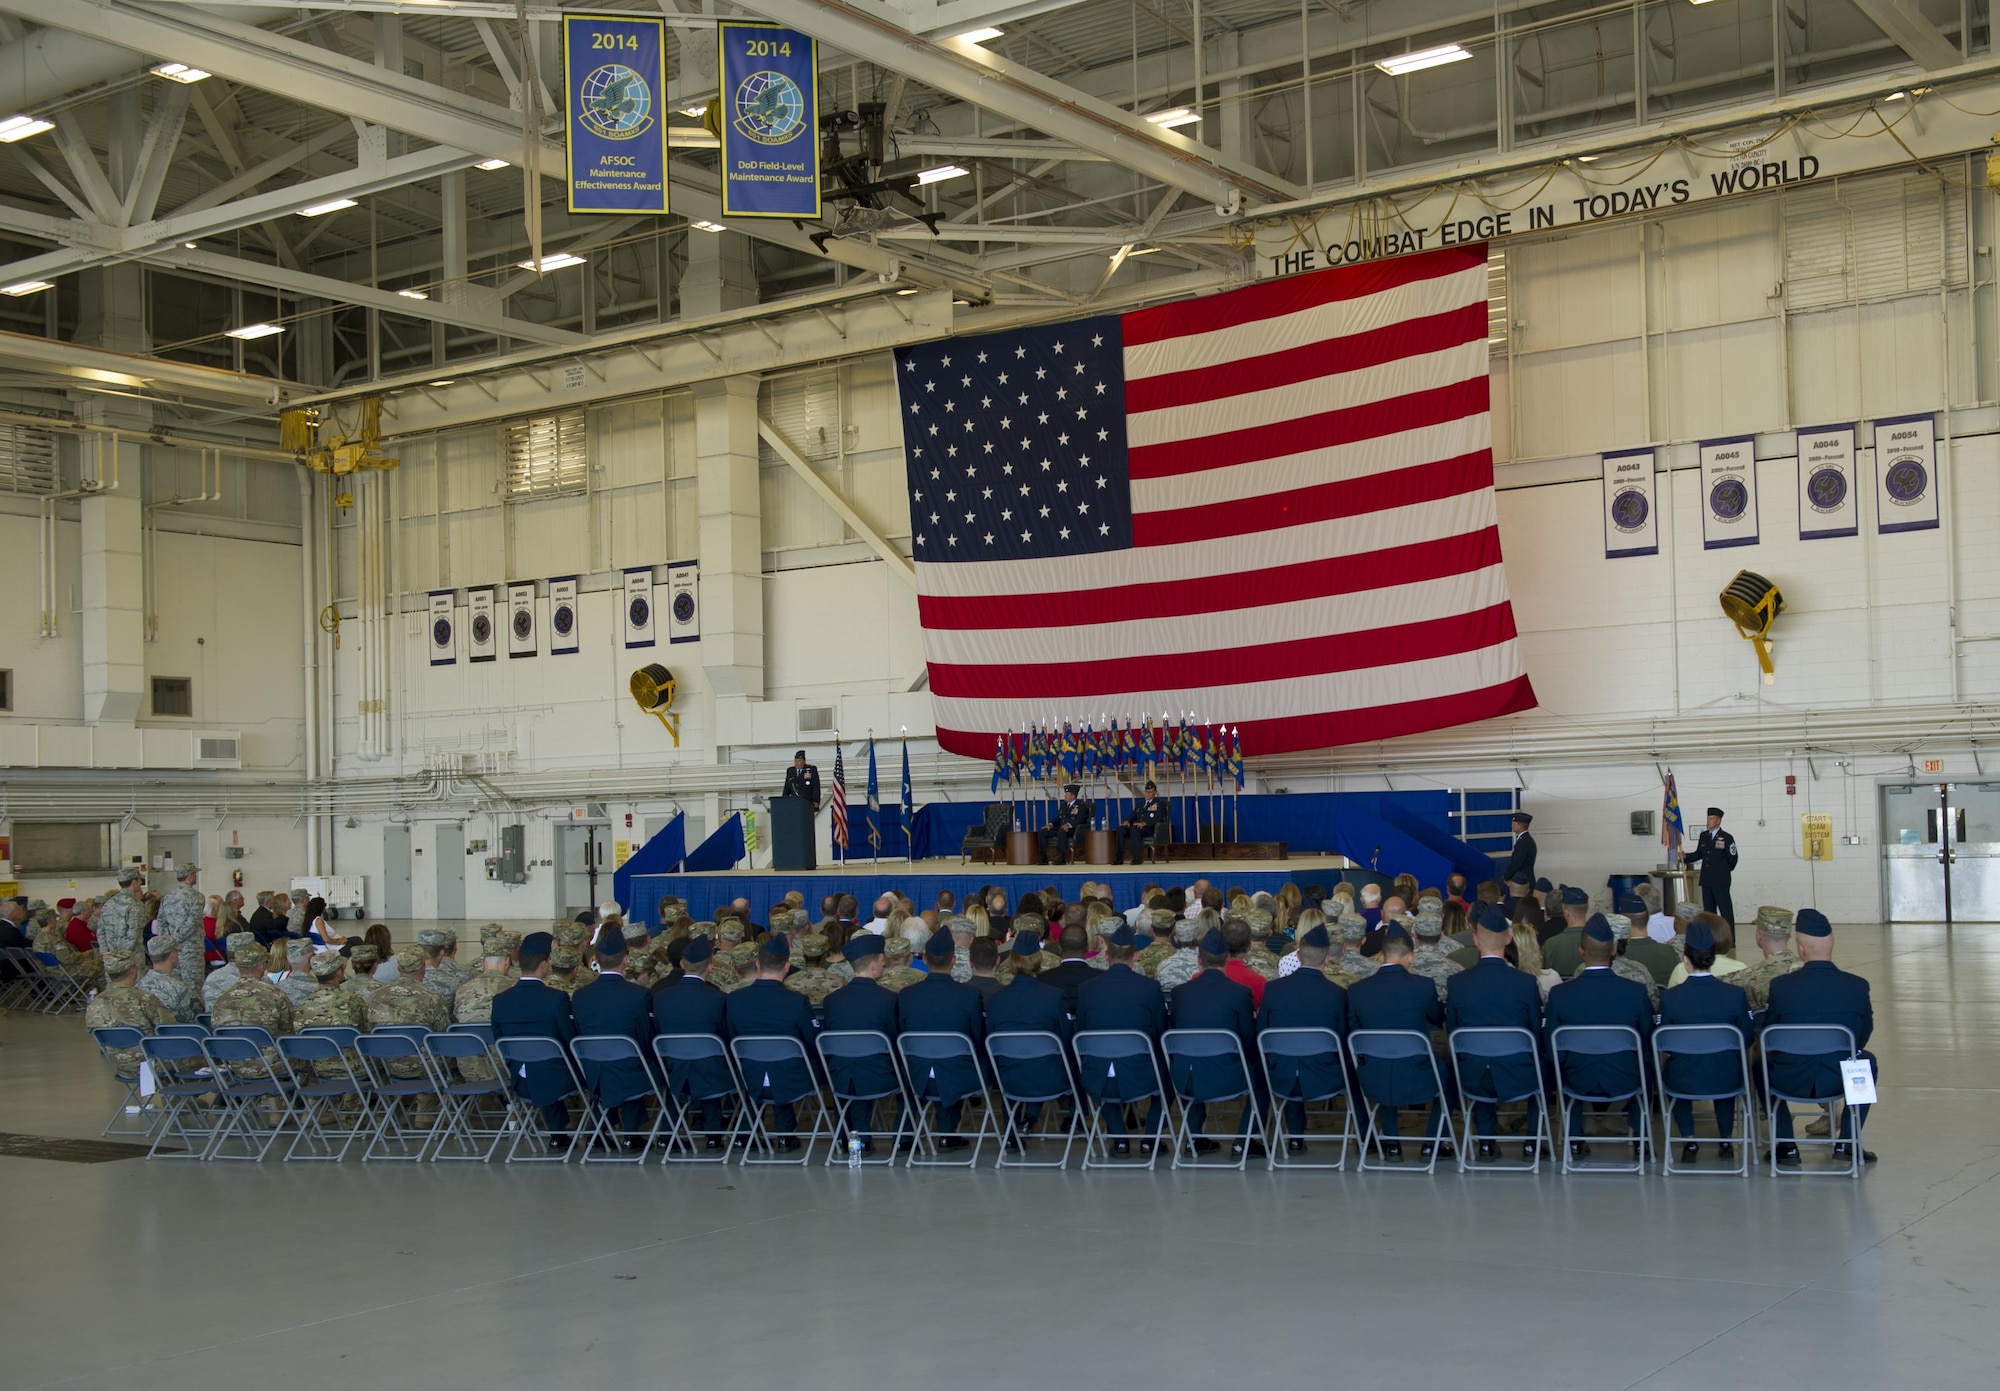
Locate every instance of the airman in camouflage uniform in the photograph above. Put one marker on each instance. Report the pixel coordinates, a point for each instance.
(1430, 958)
(169, 989)
(742, 956)
(86, 966)
(254, 1001)
(120, 1005)
(474, 1002)
(442, 973)
(1260, 957)
(331, 1007)
(1161, 922)
(361, 963)
(228, 974)
(298, 982)
(121, 922)
(179, 920)
(405, 1001)
(1353, 927)
(1183, 966)
(295, 916)
(1621, 965)
(962, 930)
(566, 970)
(899, 972)
(813, 980)
(1781, 957)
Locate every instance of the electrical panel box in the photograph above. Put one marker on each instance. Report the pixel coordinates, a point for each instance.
(513, 855)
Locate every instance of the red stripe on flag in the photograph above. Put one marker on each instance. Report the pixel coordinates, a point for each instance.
(1294, 293)
(1288, 661)
(1346, 574)
(1323, 502)
(1453, 401)
(1334, 728)
(1326, 358)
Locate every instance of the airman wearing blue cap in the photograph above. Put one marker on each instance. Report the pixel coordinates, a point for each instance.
(939, 1004)
(1026, 1005)
(1819, 992)
(1715, 852)
(765, 1007)
(532, 1008)
(1305, 999)
(694, 1005)
(1118, 997)
(1704, 998)
(1396, 998)
(1563, 953)
(1600, 996)
(863, 1006)
(1491, 994)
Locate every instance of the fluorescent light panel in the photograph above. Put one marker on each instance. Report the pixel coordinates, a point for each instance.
(1402, 64)
(706, 225)
(25, 287)
(21, 127)
(940, 173)
(1174, 116)
(985, 35)
(490, 164)
(179, 72)
(556, 262)
(332, 205)
(414, 294)
(252, 331)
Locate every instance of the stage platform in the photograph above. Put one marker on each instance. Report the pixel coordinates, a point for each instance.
(923, 879)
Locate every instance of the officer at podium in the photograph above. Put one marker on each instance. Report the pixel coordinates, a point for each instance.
(802, 780)
(1716, 852)
(1071, 821)
(1149, 813)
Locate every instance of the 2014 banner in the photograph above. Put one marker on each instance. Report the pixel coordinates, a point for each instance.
(769, 122)
(1631, 510)
(1728, 493)
(615, 80)
(1906, 474)
(1829, 503)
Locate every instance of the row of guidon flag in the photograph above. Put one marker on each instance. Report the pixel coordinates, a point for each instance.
(1268, 512)
(530, 618)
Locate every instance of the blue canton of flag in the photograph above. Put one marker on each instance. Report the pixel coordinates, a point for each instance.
(1017, 444)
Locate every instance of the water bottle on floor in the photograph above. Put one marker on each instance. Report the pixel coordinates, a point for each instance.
(853, 1150)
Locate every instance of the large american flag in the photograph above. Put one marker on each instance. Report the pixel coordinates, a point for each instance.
(1270, 508)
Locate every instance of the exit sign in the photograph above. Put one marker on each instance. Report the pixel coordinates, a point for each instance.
(1933, 765)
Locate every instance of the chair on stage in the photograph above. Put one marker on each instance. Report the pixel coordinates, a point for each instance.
(990, 835)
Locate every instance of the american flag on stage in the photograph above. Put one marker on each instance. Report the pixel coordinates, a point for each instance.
(839, 799)
(1272, 508)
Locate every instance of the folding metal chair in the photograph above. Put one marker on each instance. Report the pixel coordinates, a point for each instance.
(461, 1098)
(182, 1031)
(1498, 1044)
(524, 1118)
(1010, 1054)
(1810, 1041)
(331, 1106)
(593, 1051)
(1602, 1041)
(1189, 1046)
(838, 1050)
(244, 1096)
(19, 987)
(33, 988)
(181, 1072)
(1281, 1051)
(922, 1052)
(681, 1058)
(755, 1055)
(65, 991)
(1139, 1080)
(1702, 1040)
(112, 1040)
(392, 1139)
(1397, 1045)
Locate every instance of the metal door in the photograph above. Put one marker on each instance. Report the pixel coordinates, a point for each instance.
(582, 856)
(1921, 822)
(167, 852)
(396, 871)
(450, 870)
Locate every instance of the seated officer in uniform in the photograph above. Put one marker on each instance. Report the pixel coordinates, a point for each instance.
(939, 1004)
(611, 1004)
(1212, 1000)
(692, 1006)
(1394, 997)
(1149, 813)
(1072, 819)
(1705, 999)
(1600, 996)
(1305, 999)
(1819, 992)
(862, 1006)
(1492, 995)
(1120, 998)
(533, 1008)
(765, 1006)
(1025, 1005)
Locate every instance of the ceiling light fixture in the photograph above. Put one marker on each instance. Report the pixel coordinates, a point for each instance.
(983, 35)
(706, 225)
(1586, 159)
(21, 127)
(442, 381)
(253, 331)
(939, 174)
(491, 164)
(414, 294)
(1174, 116)
(556, 262)
(1402, 64)
(695, 111)
(179, 72)
(1897, 96)
(331, 205)
(25, 287)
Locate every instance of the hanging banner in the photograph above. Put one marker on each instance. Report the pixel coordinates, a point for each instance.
(1728, 493)
(562, 617)
(769, 122)
(479, 625)
(683, 601)
(444, 632)
(639, 607)
(615, 77)
(1631, 518)
(1829, 503)
(521, 620)
(1906, 474)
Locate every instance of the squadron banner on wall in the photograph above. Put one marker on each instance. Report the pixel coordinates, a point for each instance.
(521, 620)
(479, 625)
(639, 607)
(1631, 516)
(563, 621)
(1829, 503)
(1728, 493)
(615, 76)
(683, 601)
(1906, 474)
(769, 122)
(444, 629)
